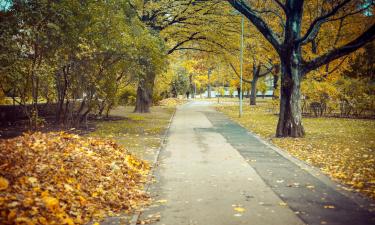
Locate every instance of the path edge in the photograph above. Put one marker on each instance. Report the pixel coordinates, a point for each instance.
(135, 217)
(358, 198)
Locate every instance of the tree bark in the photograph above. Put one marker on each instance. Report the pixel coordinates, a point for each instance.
(254, 81)
(209, 84)
(253, 94)
(290, 116)
(144, 93)
(275, 86)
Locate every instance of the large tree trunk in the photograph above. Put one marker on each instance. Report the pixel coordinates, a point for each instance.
(144, 94)
(290, 116)
(253, 94)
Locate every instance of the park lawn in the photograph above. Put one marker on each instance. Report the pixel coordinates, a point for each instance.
(141, 134)
(341, 148)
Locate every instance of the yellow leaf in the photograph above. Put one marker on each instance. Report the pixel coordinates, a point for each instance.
(82, 200)
(12, 214)
(51, 203)
(239, 209)
(24, 220)
(4, 183)
(283, 204)
(42, 220)
(161, 201)
(27, 202)
(32, 180)
(68, 187)
(68, 221)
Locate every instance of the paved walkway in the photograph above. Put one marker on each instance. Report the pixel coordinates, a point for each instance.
(214, 172)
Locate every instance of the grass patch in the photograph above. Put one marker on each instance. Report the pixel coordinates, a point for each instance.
(141, 134)
(342, 148)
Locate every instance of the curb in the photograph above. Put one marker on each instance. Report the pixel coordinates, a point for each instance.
(356, 197)
(135, 217)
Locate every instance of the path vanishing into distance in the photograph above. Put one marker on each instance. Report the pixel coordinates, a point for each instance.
(214, 172)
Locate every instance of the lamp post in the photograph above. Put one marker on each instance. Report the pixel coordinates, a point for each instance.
(241, 61)
(235, 12)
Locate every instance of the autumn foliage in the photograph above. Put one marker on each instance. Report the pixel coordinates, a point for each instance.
(62, 178)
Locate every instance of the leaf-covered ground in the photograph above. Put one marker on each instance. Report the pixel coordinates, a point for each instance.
(60, 178)
(172, 102)
(343, 148)
(141, 134)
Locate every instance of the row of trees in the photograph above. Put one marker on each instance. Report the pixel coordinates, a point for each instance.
(74, 54)
(80, 55)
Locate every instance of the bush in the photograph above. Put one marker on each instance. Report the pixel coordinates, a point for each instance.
(357, 97)
(127, 96)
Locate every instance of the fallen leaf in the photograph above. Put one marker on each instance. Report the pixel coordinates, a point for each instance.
(162, 201)
(239, 209)
(283, 204)
(4, 183)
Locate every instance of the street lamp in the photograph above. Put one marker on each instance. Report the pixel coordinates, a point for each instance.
(235, 12)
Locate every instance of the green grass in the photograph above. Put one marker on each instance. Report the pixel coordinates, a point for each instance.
(342, 148)
(141, 134)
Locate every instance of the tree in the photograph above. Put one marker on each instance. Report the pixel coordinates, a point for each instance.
(290, 41)
(75, 54)
(262, 87)
(184, 25)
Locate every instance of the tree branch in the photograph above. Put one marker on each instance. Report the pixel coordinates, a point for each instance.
(336, 67)
(314, 28)
(235, 71)
(258, 22)
(190, 38)
(279, 3)
(269, 70)
(367, 36)
(194, 49)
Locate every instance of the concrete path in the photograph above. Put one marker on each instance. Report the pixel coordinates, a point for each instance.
(214, 172)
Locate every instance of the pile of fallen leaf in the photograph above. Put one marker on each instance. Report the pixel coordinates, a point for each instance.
(60, 178)
(172, 102)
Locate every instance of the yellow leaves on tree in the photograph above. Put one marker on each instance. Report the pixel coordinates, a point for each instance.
(61, 178)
